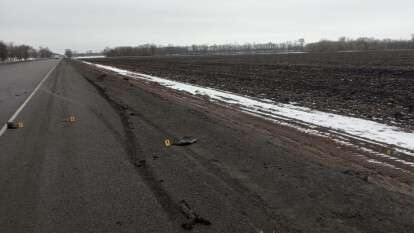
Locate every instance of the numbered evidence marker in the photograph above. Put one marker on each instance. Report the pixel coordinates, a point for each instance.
(71, 119)
(167, 142)
(20, 124)
(388, 152)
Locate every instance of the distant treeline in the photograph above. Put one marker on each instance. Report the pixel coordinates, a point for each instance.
(9, 51)
(151, 49)
(73, 53)
(345, 44)
(342, 44)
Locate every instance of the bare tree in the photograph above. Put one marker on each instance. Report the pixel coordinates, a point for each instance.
(11, 49)
(22, 52)
(3, 51)
(44, 52)
(33, 53)
(68, 53)
(301, 42)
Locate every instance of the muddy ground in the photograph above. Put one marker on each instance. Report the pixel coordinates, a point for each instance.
(246, 174)
(373, 85)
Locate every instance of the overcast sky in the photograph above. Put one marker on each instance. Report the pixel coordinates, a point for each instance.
(95, 24)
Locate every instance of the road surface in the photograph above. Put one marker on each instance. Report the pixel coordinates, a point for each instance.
(17, 81)
(109, 171)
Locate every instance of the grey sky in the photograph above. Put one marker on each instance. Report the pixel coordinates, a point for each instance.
(94, 24)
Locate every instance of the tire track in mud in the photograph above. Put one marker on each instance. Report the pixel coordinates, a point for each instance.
(244, 199)
(137, 158)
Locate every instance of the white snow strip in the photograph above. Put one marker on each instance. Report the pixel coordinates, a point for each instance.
(384, 156)
(344, 142)
(89, 57)
(358, 127)
(373, 161)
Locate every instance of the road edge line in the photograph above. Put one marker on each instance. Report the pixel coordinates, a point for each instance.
(13, 117)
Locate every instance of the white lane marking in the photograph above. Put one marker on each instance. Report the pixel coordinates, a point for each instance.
(12, 118)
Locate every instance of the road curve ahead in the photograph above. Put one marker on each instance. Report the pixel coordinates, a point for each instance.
(108, 170)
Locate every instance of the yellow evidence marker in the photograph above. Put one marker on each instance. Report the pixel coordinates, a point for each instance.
(20, 124)
(388, 152)
(71, 119)
(167, 142)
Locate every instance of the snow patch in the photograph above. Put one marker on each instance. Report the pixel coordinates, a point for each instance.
(89, 57)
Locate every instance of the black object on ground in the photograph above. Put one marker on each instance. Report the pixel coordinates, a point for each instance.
(184, 141)
(14, 125)
(11, 125)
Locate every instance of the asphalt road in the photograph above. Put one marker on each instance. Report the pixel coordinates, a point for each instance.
(17, 81)
(109, 171)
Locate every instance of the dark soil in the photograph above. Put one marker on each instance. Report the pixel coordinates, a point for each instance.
(373, 85)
